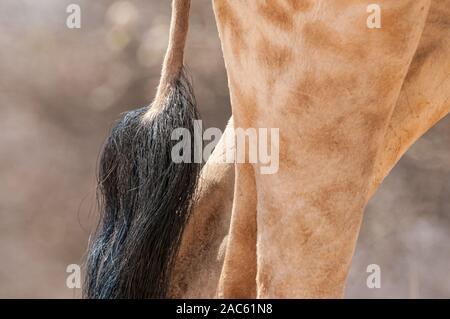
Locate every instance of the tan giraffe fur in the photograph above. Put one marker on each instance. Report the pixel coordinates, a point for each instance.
(174, 59)
(422, 101)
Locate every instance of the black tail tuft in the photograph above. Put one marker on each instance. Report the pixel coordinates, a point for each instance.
(145, 201)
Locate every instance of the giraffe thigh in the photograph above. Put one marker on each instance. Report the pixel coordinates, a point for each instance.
(330, 85)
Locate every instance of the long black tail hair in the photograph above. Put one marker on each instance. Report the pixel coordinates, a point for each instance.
(145, 197)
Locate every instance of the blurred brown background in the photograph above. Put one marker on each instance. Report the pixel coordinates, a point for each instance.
(60, 91)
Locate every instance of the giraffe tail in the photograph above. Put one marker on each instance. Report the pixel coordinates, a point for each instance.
(145, 196)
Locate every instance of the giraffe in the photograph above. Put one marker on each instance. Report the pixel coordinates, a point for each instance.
(420, 105)
(349, 102)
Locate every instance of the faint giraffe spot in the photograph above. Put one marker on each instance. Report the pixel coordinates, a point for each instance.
(231, 23)
(320, 36)
(276, 14)
(299, 5)
(274, 58)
